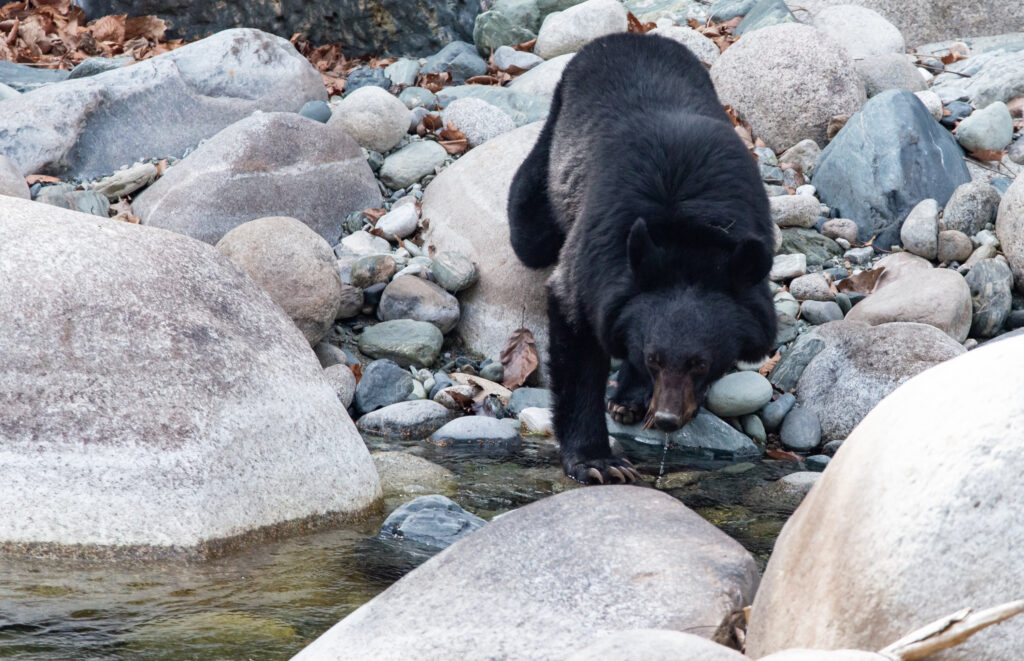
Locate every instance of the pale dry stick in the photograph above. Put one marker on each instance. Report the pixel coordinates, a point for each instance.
(949, 631)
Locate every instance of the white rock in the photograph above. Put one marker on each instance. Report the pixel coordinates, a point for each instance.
(155, 396)
(786, 267)
(11, 181)
(542, 79)
(375, 118)
(401, 221)
(363, 243)
(794, 210)
(920, 230)
(932, 102)
(506, 57)
(568, 31)
(478, 120)
(701, 46)
(343, 381)
(537, 421)
(861, 31)
(915, 494)
(811, 287)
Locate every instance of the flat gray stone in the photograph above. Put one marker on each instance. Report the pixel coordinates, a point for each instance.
(410, 297)
(820, 312)
(707, 437)
(794, 210)
(801, 430)
(888, 72)
(523, 106)
(990, 128)
(655, 645)
(405, 473)
(475, 433)
(412, 420)
(528, 563)
(383, 383)
(405, 341)
(763, 14)
(737, 394)
(411, 163)
(188, 408)
(524, 398)
(775, 412)
(268, 164)
(171, 102)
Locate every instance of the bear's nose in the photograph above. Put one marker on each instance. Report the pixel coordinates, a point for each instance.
(667, 421)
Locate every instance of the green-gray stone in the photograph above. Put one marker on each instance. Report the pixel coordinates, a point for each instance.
(723, 10)
(765, 13)
(453, 271)
(754, 428)
(522, 108)
(405, 341)
(789, 369)
(818, 247)
(414, 97)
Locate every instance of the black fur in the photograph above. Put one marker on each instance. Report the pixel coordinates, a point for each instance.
(663, 257)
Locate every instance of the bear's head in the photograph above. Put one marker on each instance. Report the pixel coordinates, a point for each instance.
(686, 330)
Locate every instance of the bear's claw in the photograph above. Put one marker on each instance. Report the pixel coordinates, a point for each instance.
(613, 470)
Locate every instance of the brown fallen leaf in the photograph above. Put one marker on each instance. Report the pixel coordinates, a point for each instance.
(770, 365)
(374, 214)
(454, 147)
(357, 370)
(150, 28)
(435, 81)
(519, 356)
(526, 46)
(636, 26)
(483, 80)
(433, 122)
(951, 57)
(861, 283)
(987, 155)
(109, 28)
(782, 455)
(41, 179)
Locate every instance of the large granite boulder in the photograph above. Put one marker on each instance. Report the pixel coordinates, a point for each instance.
(1010, 229)
(467, 206)
(889, 157)
(536, 581)
(922, 21)
(386, 27)
(916, 517)
(163, 106)
(788, 80)
(155, 400)
(268, 164)
(861, 364)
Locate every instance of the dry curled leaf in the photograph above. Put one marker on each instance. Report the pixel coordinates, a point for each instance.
(435, 81)
(782, 455)
(993, 155)
(526, 46)
(861, 283)
(636, 26)
(519, 357)
(770, 365)
(41, 179)
(374, 214)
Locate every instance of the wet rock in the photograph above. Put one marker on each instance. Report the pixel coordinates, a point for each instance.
(269, 164)
(785, 105)
(411, 163)
(858, 365)
(410, 297)
(784, 494)
(477, 434)
(208, 384)
(528, 561)
(406, 420)
(420, 528)
(405, 341)
(706, 437)
(374, 118)
(294, 265)
(383, 383)
(991, 284)
(405, 473)
(343, 381)
(568, 31)
(775, 412)
(171, 102)
(870, 172)
(898, 543)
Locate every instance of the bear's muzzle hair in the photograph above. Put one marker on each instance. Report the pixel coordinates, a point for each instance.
(673, 402)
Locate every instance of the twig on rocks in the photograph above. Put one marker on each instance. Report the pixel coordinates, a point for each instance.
(949, 631)
(932, 67)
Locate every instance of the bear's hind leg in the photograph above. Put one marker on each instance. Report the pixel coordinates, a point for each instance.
(579, 367)
(632, 395)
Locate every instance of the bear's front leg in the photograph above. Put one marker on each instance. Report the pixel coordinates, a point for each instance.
(579, 370)
(632, 395)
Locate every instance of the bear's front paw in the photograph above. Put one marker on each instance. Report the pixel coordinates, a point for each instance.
(609, 470)
(626, 413)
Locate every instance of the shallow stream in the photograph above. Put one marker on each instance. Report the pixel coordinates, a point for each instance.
(269, 602)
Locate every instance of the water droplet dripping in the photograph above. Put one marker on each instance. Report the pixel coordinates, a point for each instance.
(664, 455)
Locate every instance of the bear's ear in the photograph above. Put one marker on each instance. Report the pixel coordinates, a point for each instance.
(640, 248)
(750, 263)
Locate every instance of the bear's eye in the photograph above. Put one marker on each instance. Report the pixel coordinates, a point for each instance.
(653, 360)
(697, 365)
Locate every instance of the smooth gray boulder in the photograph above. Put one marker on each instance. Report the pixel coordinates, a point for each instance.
(918, 492)
(889, 156)
(991, 77)
(294, 265)
(861, 31)
(859, 364)
(466, 206)
(788, 80)
(1010, 229)
(11, 181)
(268, 164)
(521, 587)
(160, 107)
(156, 398)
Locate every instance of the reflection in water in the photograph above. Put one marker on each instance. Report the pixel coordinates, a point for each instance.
(271, 601)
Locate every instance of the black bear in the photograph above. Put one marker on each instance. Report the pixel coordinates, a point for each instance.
(641, 191)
